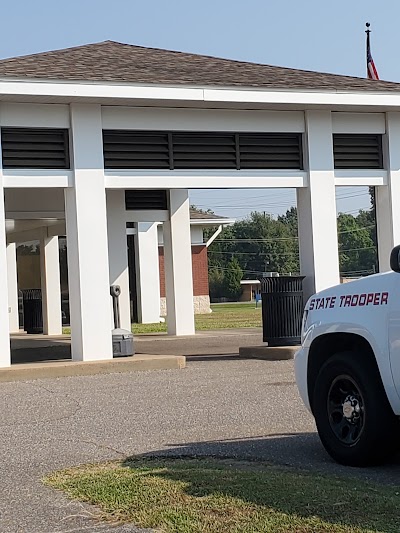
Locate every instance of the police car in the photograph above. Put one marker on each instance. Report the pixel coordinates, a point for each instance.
(348, 367)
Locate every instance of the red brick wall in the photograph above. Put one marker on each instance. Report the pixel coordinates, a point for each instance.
(199, 266)
(200, 270)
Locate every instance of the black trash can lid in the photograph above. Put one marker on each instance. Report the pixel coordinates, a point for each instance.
(282, 284)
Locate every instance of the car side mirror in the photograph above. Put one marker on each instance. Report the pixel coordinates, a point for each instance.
(395, 259)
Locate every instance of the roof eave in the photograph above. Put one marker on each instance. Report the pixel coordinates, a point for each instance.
(212, 221)
(208, 87)
(126, 94)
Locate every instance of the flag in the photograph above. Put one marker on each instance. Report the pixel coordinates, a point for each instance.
(372, 73)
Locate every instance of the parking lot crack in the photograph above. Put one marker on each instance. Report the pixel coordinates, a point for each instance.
(76, 407)
(104, 446)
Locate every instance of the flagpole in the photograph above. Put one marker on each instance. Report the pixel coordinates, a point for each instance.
(367, 31)
(372, 190)
(372, 73)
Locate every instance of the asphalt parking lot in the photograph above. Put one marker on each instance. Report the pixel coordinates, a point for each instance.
(219, 405)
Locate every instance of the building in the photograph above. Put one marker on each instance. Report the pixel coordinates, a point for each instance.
(201, 292)
(80, 127)
(251, 290)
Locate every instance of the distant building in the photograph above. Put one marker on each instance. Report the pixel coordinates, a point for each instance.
(251, 288)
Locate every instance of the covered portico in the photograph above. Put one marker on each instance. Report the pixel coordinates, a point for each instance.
(79, 127)
(41, 214)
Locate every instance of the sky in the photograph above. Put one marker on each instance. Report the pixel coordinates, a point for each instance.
(311, 35)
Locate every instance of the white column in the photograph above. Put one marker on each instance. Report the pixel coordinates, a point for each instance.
(387, 197)
(13, 316)
(316, 205)
(5, 352)
(178, 265)
(118, 253)
(87, 245)
(147, 273)
(50, 283)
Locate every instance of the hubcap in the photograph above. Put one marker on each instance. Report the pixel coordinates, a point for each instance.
(351, 408)
(346, 410)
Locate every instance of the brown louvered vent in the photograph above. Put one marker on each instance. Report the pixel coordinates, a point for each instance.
(271, 150)
(135, 149)
(202, 150)
(44, 148)
(146, 199)
(352, 151)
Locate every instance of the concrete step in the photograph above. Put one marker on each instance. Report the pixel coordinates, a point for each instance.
(55, 369)
(268, 353)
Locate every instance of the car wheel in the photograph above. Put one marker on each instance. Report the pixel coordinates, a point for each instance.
(354, 419)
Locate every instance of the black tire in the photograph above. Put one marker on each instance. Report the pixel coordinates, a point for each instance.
(354, 419)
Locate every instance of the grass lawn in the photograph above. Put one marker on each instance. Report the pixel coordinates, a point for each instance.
(218, 496)
(223, 316)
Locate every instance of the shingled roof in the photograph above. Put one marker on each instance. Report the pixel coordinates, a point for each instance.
(110, 61)
(198, 215)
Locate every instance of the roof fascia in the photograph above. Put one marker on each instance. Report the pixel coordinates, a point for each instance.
(212, 221)
(72, 91)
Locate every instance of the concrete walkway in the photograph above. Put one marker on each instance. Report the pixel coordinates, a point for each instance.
(26, 348)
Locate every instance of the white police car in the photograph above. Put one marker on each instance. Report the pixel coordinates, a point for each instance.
(348, 368)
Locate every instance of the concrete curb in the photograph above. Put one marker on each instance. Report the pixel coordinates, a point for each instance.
(268, 353)
(56, 369)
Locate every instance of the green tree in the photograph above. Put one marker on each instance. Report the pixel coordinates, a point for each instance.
(261, 243)
(196, 209)
(233, 277)
(372, 196)
(357, 252)
(290, 220)
(265, 244)
(216, 280)
(220, 250)
(366, 219)
(28, 249)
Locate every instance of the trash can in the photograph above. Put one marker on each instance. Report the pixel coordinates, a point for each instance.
(32, 309)
(282, 310)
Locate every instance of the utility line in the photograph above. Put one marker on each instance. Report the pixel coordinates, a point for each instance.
(293, 252)
(273, 239)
